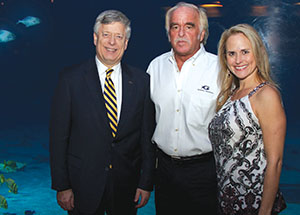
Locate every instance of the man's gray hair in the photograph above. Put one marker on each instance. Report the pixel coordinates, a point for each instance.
(202, 18)
(110, 16)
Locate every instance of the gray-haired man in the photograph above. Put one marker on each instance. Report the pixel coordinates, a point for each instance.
(184, 90)
(102, 120)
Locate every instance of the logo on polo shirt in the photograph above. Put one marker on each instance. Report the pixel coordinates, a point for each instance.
(205, 88)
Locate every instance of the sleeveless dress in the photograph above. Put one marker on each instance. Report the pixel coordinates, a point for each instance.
(236, 137)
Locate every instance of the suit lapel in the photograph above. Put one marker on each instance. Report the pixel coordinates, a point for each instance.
(93, 83)
(128, 87)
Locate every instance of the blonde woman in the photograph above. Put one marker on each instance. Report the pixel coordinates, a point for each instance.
(248, 131)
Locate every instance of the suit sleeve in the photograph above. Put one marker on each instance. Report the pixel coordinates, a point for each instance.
(59, 133)
(148, 150)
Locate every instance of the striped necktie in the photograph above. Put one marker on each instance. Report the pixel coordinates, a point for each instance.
(111, 102)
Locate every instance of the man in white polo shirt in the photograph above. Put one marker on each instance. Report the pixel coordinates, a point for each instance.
(184, 89)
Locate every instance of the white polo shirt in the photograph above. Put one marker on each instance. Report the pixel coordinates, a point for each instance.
(185, 102)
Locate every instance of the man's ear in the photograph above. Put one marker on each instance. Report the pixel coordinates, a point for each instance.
(95, 38)
(126, 44)
(201, 36)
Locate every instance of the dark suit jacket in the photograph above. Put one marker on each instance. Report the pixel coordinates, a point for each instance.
(81, 144)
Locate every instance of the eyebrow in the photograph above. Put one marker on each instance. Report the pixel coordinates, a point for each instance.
(113, 33)
(234, 52)
(188, 23)
(245, 49)
(172, 24)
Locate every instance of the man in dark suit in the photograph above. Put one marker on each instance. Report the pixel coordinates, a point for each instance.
(102, 120)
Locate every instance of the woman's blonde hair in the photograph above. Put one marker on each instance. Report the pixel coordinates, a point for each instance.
(227, 80)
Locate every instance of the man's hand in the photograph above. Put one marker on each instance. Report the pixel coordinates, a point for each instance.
(143, 196)
(65, 199)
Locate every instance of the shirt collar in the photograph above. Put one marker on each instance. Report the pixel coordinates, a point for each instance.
(102, 68)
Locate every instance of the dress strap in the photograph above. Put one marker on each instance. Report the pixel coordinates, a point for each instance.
(257, 88)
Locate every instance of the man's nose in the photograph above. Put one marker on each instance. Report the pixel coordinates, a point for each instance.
(181, 32)
(112, 40)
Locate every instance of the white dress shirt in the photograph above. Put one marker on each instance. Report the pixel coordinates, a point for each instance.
(185, 102)
(116, 77)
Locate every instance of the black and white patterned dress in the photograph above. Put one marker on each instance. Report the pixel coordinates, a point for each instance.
(236, 137)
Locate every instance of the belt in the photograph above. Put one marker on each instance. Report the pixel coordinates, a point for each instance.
(185, 159)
